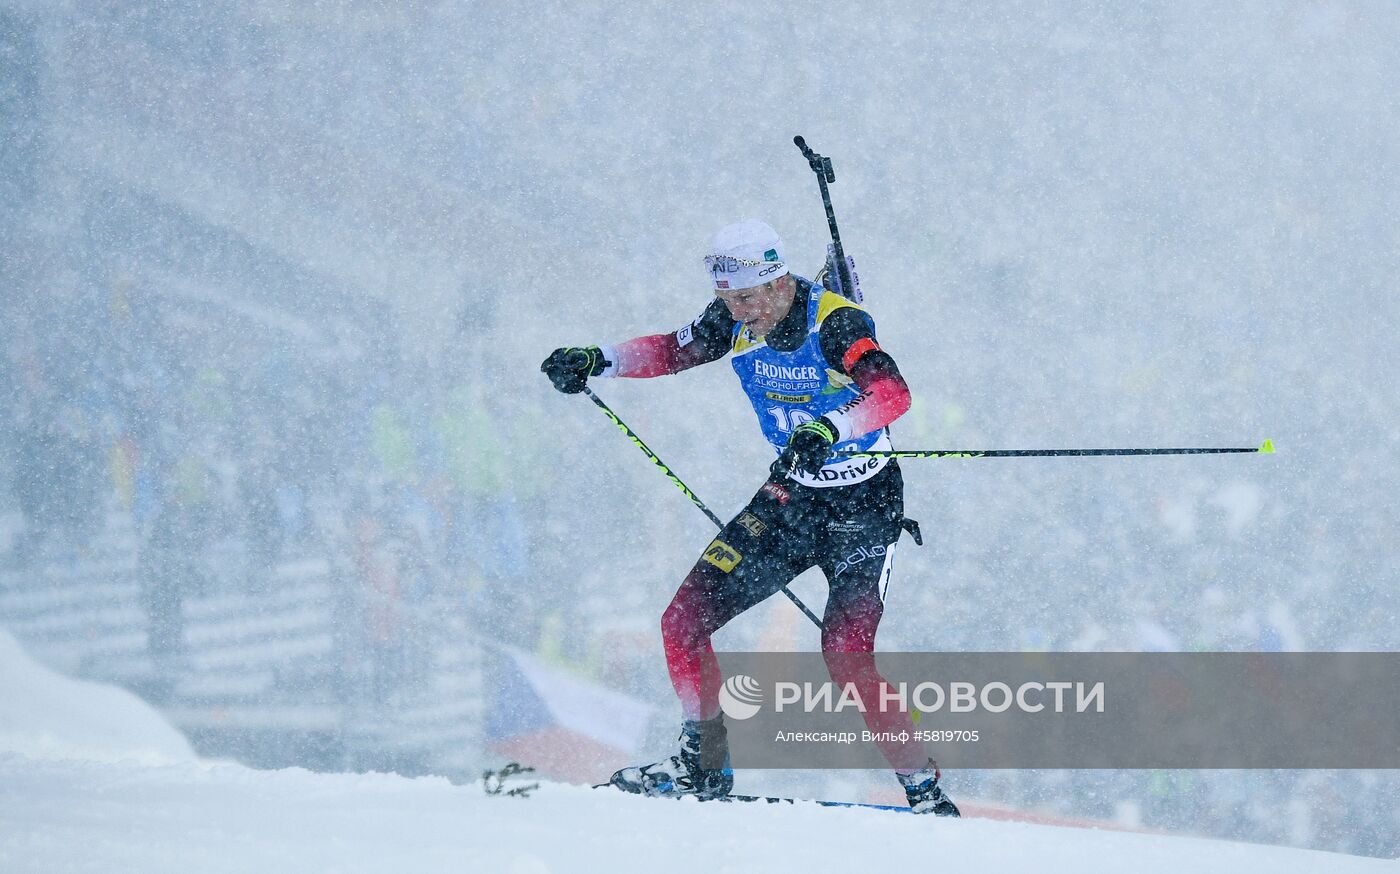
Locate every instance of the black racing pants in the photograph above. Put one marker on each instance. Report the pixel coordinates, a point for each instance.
(850, 533)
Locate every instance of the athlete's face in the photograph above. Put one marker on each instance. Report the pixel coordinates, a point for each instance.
(760, 307)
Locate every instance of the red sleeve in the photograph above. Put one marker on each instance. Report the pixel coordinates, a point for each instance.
(884, 396)
(704, 340)
(657, 355)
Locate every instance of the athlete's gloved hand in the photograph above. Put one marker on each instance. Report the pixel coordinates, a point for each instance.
(808, 448)
(570, 368)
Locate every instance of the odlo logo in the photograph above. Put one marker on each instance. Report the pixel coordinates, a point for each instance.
(860, 555)
(740, 697)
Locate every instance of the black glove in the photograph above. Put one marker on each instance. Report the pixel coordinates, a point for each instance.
(808, 448)
(570, 368)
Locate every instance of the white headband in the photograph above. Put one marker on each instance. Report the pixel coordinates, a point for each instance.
(728, 272)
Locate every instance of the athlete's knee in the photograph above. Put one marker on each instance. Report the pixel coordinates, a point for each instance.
(677, 622)
(683, 622)
(850, 631)
(844, 645)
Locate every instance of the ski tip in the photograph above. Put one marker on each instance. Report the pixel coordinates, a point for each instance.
(1267, 448)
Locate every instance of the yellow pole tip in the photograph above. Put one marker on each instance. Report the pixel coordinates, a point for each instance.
(1268, 447)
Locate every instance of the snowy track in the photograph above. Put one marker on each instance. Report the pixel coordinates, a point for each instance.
(70, 815)
(93, 779)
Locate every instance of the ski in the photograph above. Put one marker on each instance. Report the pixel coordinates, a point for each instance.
(773, 799)
(778, 799)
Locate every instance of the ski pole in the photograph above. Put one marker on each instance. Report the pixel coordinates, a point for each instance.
(694, 499)
(821, 166)
(1267, 448)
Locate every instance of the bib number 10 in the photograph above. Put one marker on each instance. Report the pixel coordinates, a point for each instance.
(787, 420)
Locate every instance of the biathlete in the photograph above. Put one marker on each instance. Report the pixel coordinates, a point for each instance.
(819, 381)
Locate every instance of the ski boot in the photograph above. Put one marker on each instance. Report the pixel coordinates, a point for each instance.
(683, 774)
(924, 793)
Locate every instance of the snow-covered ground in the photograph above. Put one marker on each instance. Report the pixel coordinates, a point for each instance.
(92, 780)
(46, 715)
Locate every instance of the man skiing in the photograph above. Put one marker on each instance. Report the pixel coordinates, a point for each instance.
(810, 364)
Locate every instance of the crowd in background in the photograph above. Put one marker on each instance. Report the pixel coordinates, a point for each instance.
(122, 404)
